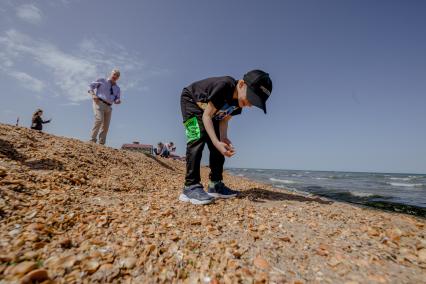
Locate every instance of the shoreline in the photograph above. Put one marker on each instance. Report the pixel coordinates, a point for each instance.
(64, 220)
(387, 206)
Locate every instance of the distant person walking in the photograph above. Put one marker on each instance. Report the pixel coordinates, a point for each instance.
(107, 93)
(37, 122)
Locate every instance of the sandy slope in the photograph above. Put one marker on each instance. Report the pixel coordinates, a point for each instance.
(72, 211)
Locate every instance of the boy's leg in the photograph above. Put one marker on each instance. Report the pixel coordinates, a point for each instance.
(195, 141)
(193, 191)
(194, 152)
(216, 159)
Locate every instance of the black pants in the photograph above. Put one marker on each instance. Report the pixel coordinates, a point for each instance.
(194, 149)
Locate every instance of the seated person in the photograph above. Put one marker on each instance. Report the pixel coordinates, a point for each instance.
(171, 146)
(172, 151)
(161, 150)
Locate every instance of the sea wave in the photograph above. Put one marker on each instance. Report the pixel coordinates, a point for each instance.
(282, 180)
(405, 184)
(405, 179)
(321, 178)
(361, 194)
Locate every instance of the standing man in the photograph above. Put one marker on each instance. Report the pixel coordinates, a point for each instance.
(107, 93)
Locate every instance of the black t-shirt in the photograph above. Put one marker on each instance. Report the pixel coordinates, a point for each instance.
(217, 90)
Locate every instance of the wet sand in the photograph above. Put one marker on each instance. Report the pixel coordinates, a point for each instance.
(77, 212)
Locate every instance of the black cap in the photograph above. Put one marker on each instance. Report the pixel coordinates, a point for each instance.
(259, 88)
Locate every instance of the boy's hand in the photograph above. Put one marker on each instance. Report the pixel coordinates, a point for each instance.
(226, 141)
(225, 149)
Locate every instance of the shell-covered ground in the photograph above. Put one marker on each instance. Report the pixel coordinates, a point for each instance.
(77, 212)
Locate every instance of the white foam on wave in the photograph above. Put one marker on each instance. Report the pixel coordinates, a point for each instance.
(405, 184)
(361, 194)
(405, 179)
(321, 178)
(282, 180)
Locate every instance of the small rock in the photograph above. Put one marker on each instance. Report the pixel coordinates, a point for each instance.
(334, 262)
(422, 255)
(65, 243)
(260, 262)
(91, 266)
(23, 268)
(35, 276)
(128, 262)
(5, 258)
(3, 172)
(15, 232)
(284, 239)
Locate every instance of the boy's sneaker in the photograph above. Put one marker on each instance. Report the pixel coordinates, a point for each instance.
(220, 190)
(196, 195)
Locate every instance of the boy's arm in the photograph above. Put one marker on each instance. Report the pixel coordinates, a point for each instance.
(208, 114)
(223, 130)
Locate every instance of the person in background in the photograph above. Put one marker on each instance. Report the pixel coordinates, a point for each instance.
(107, 93)
(161, 150)
(37, 122)
(172, 151)
(171, 147)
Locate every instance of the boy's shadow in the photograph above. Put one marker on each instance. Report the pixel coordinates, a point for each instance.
(262, 195)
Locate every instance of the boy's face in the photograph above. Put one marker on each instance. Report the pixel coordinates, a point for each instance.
(242, 94)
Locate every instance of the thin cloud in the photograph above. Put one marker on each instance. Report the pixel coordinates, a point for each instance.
(29, 13)
(28, 81)
(70, 73)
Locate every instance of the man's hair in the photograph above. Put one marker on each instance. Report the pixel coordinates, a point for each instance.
(115, 71)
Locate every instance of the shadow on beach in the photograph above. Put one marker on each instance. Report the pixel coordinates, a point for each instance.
(160, 162)
(8, 150)
(45, 164)
(262, 195)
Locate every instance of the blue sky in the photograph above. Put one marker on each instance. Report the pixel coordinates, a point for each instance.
(349, 76)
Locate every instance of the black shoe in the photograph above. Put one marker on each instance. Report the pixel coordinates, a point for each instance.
(196, 195)
(220, 190)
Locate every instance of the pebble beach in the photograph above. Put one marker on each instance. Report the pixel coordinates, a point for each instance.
(77, 212)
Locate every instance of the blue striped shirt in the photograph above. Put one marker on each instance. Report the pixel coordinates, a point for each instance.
(103, 90)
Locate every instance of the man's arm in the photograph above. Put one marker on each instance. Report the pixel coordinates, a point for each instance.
(118, 97)
(208, 114)
(94, 85)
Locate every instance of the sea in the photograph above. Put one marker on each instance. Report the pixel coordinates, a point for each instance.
(404, 193)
